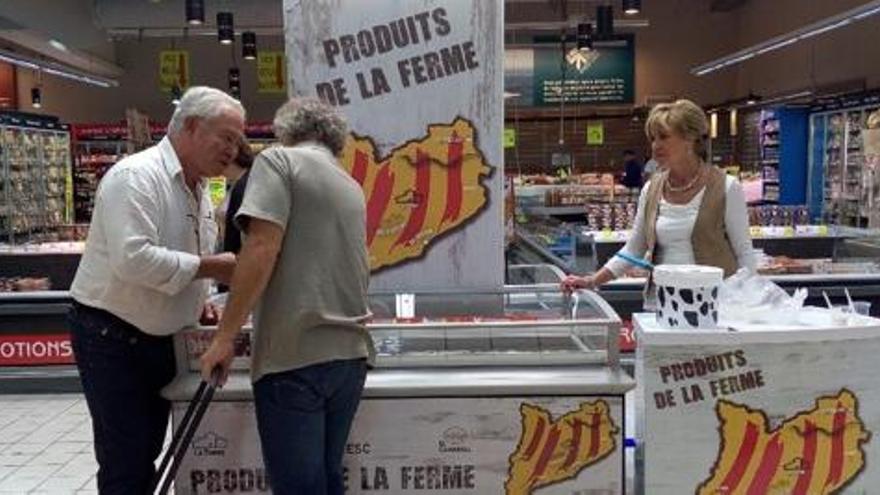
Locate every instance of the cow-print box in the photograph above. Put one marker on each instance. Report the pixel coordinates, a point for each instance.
(682, 308)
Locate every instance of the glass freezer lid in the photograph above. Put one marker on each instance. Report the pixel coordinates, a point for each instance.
(516, 325)
(526, 303)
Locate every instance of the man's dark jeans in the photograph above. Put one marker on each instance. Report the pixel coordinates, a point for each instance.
(122, 371)
(304, 416)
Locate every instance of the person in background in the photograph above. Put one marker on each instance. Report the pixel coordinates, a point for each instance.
(305, 260)
(236, 177)
(632, 170)
(144, 276)
(649, 170)
(690, 212)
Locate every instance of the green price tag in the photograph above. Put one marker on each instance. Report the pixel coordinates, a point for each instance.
(509, 138)
(595, 133)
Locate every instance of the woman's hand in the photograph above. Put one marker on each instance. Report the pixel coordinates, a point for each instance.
(572, 283)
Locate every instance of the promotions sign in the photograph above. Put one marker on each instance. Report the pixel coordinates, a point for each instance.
(35, 349)
(464, 446)
(421, 86)
(761, 417)
(271, 72)
(173, 69)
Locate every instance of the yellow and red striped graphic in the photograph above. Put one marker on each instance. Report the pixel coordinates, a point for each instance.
(553, 451)
(421, 190)
(817, 452)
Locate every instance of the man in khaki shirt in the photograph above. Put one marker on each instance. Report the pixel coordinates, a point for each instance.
(304, 266)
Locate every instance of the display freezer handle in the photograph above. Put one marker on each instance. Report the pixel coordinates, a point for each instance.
(22, 309)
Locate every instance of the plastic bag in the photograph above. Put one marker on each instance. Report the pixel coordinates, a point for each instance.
(749, 297)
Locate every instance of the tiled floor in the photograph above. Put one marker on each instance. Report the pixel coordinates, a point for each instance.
(46, 445)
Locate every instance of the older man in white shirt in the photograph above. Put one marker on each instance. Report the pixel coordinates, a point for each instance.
(143, 276)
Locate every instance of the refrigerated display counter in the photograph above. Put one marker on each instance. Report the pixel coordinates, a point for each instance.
(784, 407)
(472, 392)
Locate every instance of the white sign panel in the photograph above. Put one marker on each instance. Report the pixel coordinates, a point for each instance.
(513, 446)
(792, 418)
(421, 84)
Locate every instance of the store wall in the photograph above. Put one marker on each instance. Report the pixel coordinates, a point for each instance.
(537, 140)
(139, 86)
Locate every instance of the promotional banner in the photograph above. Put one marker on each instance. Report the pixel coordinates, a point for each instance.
(271, 72)
(421, 86)
(173, 69)
(510, 446)
(786, 417)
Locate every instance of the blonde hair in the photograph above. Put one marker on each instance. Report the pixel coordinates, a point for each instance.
(683, 118)
(874, 120)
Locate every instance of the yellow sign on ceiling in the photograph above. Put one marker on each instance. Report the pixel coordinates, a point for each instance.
(173, 69)
(271, 72)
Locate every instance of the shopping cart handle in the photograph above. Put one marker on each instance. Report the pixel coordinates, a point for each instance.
(216, 375)
(183, 435)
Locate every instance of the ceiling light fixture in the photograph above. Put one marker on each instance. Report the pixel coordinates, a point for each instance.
(234, 79)
(36, 97)
(632, 7)
(585, 36)
(604, 22)
(225, 28)
(195, 12)
(58, 45)
(175, 95)
(27, 63)
(815, 29)
(249, 45)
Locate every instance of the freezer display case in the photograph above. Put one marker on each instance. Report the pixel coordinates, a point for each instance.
(505, 391)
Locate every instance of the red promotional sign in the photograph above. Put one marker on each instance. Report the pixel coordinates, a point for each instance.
(17, 350)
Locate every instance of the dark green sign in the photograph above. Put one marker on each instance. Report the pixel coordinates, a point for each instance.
(605, 74)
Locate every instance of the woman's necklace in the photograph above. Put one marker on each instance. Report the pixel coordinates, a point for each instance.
(686, 187)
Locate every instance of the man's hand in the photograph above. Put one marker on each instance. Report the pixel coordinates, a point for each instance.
(218, 356)
(210, 314)
(217, 266)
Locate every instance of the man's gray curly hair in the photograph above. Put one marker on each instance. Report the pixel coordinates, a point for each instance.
(309, 119)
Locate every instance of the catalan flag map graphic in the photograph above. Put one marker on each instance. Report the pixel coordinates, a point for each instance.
(815, 452)
(420, 190)
(551, 451)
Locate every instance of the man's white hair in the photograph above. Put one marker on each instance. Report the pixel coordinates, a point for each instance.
(202, 102)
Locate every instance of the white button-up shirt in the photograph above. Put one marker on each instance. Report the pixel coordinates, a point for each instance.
(148, 230)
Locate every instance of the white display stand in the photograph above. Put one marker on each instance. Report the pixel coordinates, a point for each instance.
(759, 408)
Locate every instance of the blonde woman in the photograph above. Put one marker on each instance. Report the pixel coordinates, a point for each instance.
(690, 212)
